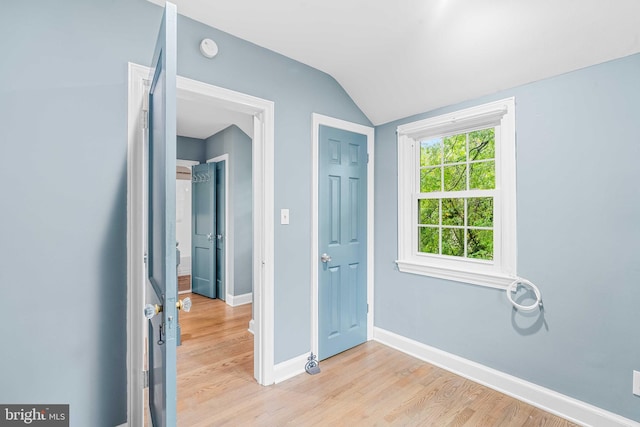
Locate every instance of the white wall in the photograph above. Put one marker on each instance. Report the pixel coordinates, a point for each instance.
(183, 224)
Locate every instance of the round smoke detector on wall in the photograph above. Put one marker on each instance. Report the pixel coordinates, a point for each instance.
(208, 48)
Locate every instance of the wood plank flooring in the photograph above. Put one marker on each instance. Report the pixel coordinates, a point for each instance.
(371, 385)
(184, 283)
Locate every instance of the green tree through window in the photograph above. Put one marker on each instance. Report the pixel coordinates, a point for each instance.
(455, 202)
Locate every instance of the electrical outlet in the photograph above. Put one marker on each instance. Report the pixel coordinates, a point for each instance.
(636, 383)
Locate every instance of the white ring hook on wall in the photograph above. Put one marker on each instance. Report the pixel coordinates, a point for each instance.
(514, 286)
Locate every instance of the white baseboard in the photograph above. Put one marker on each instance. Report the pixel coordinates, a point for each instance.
(290, 368)
(184, 268)
(251, 323)
(185, 273)
(237, 300)
(551, 401)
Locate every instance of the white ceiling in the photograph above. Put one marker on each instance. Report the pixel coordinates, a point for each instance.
(396, 58)
(199, 119)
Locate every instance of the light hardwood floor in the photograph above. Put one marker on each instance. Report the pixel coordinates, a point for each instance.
(370, 385)
(184, 283)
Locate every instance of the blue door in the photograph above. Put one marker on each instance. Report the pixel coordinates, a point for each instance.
(220, 228)
(161, 262)
(203, 230)
(342, 219)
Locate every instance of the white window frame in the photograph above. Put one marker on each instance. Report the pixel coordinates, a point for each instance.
(499, 272)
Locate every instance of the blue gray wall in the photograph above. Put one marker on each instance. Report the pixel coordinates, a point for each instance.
(190, 149)
(63, 113)
(237, 144)
(297, 91)
(578, 203)
(63, 110)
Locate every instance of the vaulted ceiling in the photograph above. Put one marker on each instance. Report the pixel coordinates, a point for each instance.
(397, 58)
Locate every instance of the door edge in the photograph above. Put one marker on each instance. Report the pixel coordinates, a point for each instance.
(228, 222)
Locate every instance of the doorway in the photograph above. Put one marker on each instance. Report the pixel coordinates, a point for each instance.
(318, 261)
(183, 222)
(189, 204)
(262, 113)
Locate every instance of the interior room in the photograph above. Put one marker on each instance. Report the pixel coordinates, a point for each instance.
(209, 133)
(494, 214)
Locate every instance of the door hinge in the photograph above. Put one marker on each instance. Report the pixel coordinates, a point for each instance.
(146, 85)
(367, 158)
(144, 259)
(367, 308)
(145, 379)
(145, 104)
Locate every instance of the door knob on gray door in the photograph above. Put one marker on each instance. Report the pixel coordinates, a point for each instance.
(151, 310)
(210, 236)
(325, 258)
(184, 305)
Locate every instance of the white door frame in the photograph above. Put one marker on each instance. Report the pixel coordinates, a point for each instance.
(319, 119)
(263, 201)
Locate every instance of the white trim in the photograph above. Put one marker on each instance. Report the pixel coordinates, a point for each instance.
(369, 132)
(290, 368)
(220, 158)
(228, 224)
(263, 172)
(135, 245)
(186, 163)
(487, 279)
(500, 272)
(184, 270)
(548, 400)
(236, 300)
(460, 121)
(263, 241)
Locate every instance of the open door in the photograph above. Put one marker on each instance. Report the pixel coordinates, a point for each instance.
(203, 230)
(221, 203)
(161, 292)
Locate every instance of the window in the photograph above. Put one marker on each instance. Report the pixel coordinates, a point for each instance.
(456, 195)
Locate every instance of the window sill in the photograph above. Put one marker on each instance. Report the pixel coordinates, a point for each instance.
(488, 279)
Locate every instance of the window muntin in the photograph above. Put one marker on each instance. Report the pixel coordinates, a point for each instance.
(456, 195)
(461, 227)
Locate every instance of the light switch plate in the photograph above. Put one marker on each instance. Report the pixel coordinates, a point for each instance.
(284, 216)
(636, 383)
